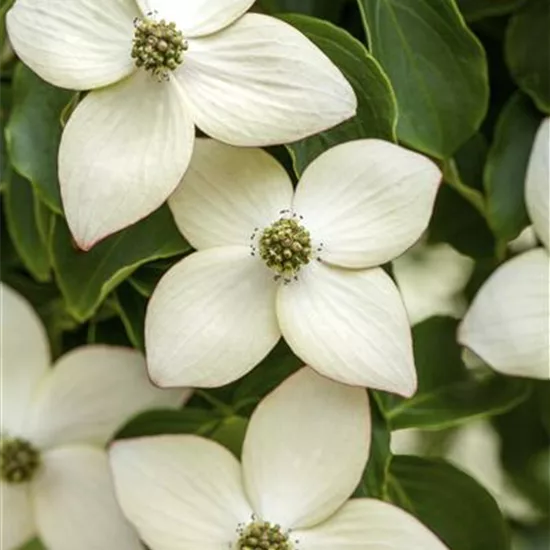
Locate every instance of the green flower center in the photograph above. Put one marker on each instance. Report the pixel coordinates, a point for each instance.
(285, 246)
(158, 46)
(19, 460)
(262, 535)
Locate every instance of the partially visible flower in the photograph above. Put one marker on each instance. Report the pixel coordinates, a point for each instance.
(431, 279)
(301, 264)
(156, 69)
(304, 453)
(508, 323)
(54, 475)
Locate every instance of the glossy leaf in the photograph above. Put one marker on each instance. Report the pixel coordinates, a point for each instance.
(472, 10)
(504, 176)
(452, 504)
(376, 112)
(437, 69)
(34, 130)
(25, 219)
(85, 278)
(528, 51)
(131, 308)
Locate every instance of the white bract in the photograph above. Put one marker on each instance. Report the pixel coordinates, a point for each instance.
(508, 323)
(302, 264)
(54, 474)
(304, 453)
(156, 69)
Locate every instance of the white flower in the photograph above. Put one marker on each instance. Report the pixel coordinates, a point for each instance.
(54, 474)
(218, 313)
(507, 324)
(244, 79)
(304, 453)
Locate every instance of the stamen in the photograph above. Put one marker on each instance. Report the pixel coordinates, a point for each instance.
(262, 535)
(158, 46)
(19, 460)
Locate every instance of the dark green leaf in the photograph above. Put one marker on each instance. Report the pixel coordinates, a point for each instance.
(168, 421)
(24, 213)
(85, 278)
(448, 394)
(449, 502)
(131, 307)
(146, 277)
(230, 433)
(477, 9)
(528, 51)
(376, 111)
(436, 66)
(504, 176)
(326, 10)
(34, 130)
(457, 221)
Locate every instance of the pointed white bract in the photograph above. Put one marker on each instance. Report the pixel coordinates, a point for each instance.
(67, 414)
(339, 312)
(508, 323)
(304, 453)
(246, 79)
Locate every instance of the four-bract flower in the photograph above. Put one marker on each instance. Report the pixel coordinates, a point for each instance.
(54, 474)
(304, 453)
(303, 264)
(156, 68)
(507, 324)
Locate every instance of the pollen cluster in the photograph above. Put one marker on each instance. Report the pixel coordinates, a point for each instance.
(158, 46)
(19, 460)
(262, 535)
(285, 246)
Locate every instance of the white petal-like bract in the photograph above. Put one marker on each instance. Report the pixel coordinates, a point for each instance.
(24, 355)
(349, 325)
(537, 184)
(197, 17)
(181, 492)
(75, 44)
(305, 449)
(90, 393)
(507, 324)
(75, 504)
(211, 319)
(261, 82)
(367, 524)
(227, 193)
(367, 201)
(17, 525)
(122, 153)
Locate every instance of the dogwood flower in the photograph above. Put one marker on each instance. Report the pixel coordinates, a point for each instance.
(54, 475)
(303, 264)
(156, 69)
(507, 324)
(304, 453)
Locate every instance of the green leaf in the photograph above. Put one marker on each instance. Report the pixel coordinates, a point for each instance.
(448, 394)
(457, 221)
(24, 217)
(376, 110)
(436, 66)
(34, 545)
(85, 278)
(504, 176)
(527, 49)
(374, 479)
(34, 130)
(188, 420)
(146, 277)
(131, 306)
(326, 10)
(472, 10)
(449, 502)
(230, 433)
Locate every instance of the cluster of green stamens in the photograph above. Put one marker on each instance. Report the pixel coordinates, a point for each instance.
(19, 460)
(158, 46)
(262, 535)
(285, 246)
